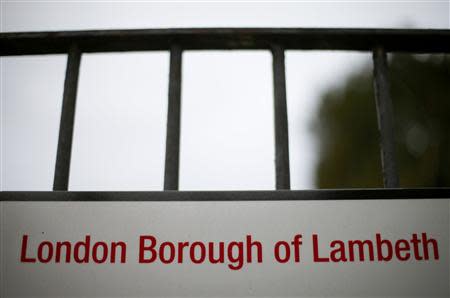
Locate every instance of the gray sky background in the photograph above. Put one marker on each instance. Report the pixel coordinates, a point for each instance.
(227, 137)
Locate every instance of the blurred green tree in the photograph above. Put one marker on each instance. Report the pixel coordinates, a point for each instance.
(347, 133)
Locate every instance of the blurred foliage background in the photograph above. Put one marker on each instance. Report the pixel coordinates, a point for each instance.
(347, 134)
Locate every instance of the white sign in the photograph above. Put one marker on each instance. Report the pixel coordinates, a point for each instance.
(280, 248)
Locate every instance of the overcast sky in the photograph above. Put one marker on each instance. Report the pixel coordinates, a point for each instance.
(227, 137)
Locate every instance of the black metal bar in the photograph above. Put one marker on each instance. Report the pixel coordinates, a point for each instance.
(62, 168)
(398, 40)
(281, 122)
(210, 196)
(171, 174)
(385, 118)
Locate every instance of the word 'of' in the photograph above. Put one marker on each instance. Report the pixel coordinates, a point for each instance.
(235, 253)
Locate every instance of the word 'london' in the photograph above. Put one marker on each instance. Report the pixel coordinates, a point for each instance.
(234, 254)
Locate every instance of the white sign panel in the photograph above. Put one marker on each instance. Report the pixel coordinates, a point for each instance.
(366, 248)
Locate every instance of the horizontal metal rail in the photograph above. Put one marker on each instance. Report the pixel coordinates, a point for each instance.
(393, 40)
(280, 195)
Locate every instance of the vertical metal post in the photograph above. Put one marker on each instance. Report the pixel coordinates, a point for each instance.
(281, 122)
(62, 168)
(385, 118)
(173, 121)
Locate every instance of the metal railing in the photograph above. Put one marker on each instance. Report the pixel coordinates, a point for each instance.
(377, 41)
